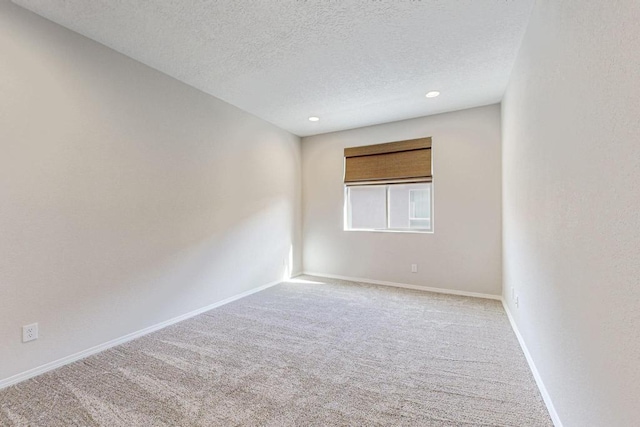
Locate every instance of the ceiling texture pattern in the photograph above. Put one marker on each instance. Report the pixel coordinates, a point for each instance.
(351, 63)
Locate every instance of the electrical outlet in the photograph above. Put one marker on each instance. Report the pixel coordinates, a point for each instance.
(414, 268)
(516, 301)
(30, 332)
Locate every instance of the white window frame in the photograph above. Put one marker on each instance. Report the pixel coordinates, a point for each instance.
(347, 208)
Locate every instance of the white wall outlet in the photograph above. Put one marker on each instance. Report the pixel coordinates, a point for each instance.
(516, 301)
(414, 268)
(30, 332)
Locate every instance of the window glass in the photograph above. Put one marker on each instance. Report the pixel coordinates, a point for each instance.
(367, 207)
(401, 207)
(410, 206)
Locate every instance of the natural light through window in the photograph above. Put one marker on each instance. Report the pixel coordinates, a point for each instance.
(391, 207)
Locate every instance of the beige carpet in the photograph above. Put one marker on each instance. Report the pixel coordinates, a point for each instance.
(301, 354)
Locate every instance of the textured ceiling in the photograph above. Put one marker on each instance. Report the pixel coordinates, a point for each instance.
(352, 63)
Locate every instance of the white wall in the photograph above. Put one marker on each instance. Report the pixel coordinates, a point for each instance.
(126, 197)
(571, 180)
(464, 252)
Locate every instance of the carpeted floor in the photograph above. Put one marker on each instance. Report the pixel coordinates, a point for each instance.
(308, 352)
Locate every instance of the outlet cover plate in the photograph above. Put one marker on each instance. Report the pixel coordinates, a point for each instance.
(30, 332)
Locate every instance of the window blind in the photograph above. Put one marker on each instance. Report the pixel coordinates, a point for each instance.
(392, 162)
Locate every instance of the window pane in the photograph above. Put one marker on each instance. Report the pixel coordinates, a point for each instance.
(419, 204)
(367, 207)
(410, 206)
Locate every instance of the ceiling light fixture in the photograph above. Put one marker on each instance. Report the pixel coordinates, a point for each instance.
(432, 94)
(314, 119)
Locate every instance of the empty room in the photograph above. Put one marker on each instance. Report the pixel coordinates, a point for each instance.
(320, 213)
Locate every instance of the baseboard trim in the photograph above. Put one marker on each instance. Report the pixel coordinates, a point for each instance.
(126, 338)
(536, 375)
(406, 286)
(129, 337)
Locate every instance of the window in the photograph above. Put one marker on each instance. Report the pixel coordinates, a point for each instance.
(388, 187)
(367, 207)
(392, 207)
(420, 207)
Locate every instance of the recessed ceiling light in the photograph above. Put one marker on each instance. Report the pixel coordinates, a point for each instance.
(432, 94)
(314, 119)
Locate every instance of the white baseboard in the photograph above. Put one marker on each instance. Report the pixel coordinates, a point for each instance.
(407, 286)
(129, 337)
(536, 375)
(104, 346)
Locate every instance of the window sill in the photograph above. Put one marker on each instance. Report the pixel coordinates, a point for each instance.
(390, 231)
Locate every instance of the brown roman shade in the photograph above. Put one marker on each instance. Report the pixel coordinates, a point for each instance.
(401, 161)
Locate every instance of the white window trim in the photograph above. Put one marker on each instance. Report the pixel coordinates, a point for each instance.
(347, 227)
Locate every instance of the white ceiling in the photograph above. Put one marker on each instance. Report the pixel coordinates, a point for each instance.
(352, 63)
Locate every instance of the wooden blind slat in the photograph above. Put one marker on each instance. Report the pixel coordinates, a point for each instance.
(389, 166)
(389, 147)
(390, 181)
